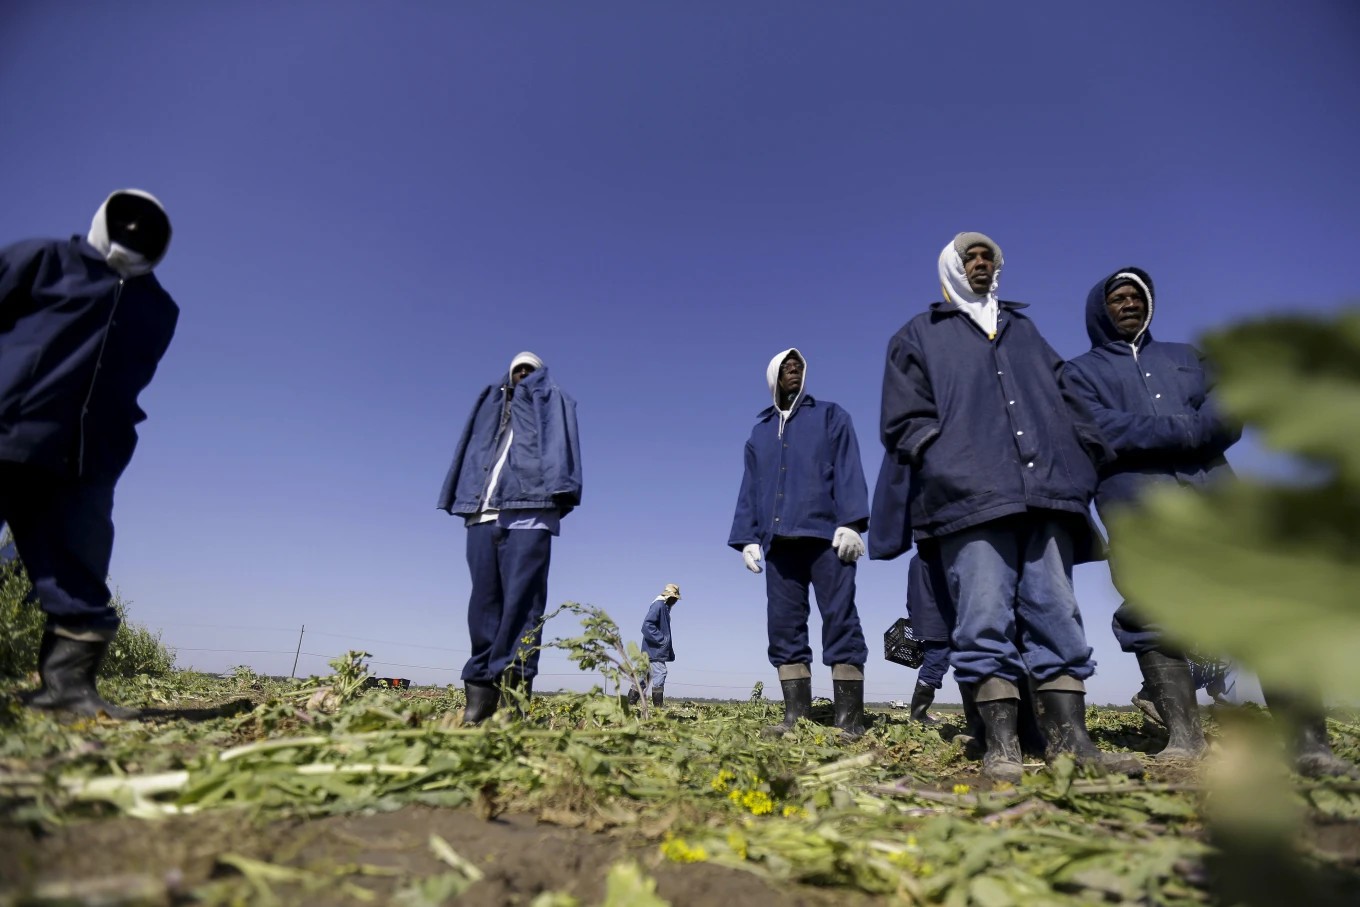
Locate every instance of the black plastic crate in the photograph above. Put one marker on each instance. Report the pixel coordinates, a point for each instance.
(901, 647)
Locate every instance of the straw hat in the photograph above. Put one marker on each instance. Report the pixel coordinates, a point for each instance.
(671, 591)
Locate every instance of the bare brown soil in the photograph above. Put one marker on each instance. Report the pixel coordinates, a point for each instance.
(520, 857)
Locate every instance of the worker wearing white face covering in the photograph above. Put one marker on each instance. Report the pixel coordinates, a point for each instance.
(980, 307)
(83, 326)
(803, 503)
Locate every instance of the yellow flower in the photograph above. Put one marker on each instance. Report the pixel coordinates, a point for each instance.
(734, 795)
(677, 851)
(721, 780)
(758, 802)
(737, 841)
(961, 789)
(791, 811)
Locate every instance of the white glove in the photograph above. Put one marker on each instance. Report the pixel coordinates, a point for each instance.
(751, 554)
(849, 546)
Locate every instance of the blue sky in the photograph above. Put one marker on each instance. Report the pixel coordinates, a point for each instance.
(377, 205)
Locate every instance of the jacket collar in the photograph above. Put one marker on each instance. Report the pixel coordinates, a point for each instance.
(767, 412)
(948, 308)
(944, 309)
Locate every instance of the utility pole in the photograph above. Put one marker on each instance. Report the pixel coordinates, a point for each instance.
(299, 650)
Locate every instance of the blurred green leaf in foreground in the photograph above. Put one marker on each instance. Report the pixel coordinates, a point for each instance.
(1268, 573)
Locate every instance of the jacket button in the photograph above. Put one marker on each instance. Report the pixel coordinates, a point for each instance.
(1030, 464)
(1147, 374)
(1010, 402)
(1001, 373)
(1157, 396)
(1020, 433)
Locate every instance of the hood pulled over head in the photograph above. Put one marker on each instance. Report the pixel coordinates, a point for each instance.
(982, 309)
(772, 379)
(1100, 327)
(132, 231)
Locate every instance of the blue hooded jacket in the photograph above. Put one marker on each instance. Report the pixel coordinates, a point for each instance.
(1152, 402)
(543, 469)
(804, 481)
(78, 344)
(656, 632)
(985, 426)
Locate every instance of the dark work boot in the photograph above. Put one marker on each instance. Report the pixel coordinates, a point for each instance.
(1032, 742)
(1307, 728)
(1167, 678)
(849, 699)
(658, 697)
(634, 697)
(516, 691)
(481, 701)
(1001, 760)
(1144, 701)
(921, 700)
(68, 668)
(1062, 719)
(973, 739)
(797, 704)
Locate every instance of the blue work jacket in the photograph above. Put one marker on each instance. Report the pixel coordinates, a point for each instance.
(656, 632)
(78, 344)
(804, 484)
(543, 469)
(1153, 404)
(984, 424)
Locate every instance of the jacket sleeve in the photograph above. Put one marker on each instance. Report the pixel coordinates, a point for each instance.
(651, 625)
(849, 488)
(889, 516)
(908, 419)
(562, 451)
(1091, 433)
(1217, 432)
(1127, 433)
(18, 270)
(450, 489)
(745, 528)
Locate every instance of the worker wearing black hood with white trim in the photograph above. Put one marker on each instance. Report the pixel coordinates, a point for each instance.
(83, 325)
(802, 506)
(1154, 403)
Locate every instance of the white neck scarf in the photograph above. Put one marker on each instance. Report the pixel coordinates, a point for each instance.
(954, 282)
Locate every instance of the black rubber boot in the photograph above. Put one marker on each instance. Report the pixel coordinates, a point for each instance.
(68, 668)
(516, 691)
(849, 698)
(634, 697)
(1062, 720)
(797, 704)
(658, 697)
(1307, 727)
(1168, 680)
(973, 737)
(1032, 742)
(1145, 703)
(482, 699)
(1001, 760)
(921, 700)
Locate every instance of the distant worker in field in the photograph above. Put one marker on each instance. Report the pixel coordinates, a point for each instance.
(657, 643)
(516, 473)
(802, 506)
(1002, 475)
(83, 325)
(1153, 401)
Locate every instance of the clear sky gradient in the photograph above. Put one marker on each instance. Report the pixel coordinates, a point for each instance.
(376, 205)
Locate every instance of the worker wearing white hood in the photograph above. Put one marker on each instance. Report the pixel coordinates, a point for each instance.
(802, 506)
(83, 326)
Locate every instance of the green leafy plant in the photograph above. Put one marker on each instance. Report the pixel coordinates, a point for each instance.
(601, 647)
